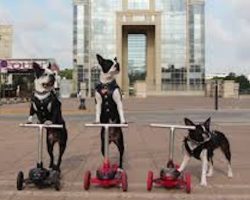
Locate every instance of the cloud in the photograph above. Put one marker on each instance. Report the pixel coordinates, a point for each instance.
(42, 29)
(228, 36)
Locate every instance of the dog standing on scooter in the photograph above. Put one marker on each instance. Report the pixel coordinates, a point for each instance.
(201, 143)
(47, 107)
(109, 108)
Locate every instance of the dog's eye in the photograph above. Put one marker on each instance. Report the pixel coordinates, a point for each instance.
(45, 74)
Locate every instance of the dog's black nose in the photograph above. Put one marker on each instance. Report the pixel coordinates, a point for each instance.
(52, 77)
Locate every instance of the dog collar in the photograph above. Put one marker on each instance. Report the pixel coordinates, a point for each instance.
(41, 93)
(199, 143)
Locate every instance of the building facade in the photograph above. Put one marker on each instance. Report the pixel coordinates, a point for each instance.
(160, 42)
(6, 35)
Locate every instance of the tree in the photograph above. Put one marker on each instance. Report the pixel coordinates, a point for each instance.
(242, 80)
(67, 73)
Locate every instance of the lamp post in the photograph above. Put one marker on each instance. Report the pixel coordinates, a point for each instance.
(216, 95)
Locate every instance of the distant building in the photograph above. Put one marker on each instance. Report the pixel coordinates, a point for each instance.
(160, 42)
(6, 38)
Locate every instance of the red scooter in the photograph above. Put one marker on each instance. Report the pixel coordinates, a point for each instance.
(107, 175)
(169, 178)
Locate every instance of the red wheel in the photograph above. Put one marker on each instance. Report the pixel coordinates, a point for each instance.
(124, 182)
(86, 180)
(188, 182)
(150, 181)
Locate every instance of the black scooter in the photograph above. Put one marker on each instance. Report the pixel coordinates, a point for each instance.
(40, 176)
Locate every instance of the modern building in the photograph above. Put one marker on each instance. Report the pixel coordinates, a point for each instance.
(158, 42)
(6, 35)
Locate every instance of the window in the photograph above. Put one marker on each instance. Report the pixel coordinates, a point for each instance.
(138, 4)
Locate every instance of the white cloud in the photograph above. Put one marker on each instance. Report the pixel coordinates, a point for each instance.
(42, 32)
(228, 37)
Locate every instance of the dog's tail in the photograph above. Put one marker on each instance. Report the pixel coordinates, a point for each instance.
(224, 145)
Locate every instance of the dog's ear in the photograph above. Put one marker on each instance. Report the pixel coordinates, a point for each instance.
(99, 59)
(38, 69)
(188, 122)
(207, 123)
(49, 67)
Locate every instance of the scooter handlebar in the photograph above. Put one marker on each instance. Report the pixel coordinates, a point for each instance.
(107, 125)
(173, 126)
(42, 125)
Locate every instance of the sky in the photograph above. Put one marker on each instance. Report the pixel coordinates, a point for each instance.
(43, 29)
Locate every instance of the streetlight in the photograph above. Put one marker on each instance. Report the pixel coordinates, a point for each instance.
(216, 95)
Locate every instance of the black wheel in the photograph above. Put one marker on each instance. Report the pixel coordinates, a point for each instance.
(57, 183)
(19, 181)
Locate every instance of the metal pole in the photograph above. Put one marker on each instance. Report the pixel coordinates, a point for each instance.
(187, 46)
(171, 144)
(106, 143)
(90, 49)
(40, 147)
(216, 95)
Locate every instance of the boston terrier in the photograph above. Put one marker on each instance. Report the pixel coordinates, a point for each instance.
(47, 107)
(200, 144)
(109, 108)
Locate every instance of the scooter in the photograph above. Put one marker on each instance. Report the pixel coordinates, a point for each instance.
(107, 175)
(40, 176)
(168, 176)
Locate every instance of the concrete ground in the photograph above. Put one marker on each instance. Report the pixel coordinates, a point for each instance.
(146, 149)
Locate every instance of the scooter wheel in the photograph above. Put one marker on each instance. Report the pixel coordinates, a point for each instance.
(57, 183)
(19, 181)
(150, 180)
(86, 180)
(124, 182)
(188, 182)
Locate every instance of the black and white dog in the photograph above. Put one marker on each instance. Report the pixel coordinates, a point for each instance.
(109, 108)
(200, 144)
(47, 108)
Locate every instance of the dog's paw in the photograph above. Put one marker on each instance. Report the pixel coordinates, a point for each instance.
(48, 122)
(203, 183)
(210, 173)
(230, 174)
(120, 169)
(29, 121)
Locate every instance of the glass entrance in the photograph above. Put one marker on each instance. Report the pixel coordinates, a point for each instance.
(137, 59)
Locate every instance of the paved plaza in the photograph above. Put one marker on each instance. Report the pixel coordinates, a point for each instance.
(145, 149)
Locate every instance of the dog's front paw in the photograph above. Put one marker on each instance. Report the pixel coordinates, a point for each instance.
(203, 183)
(230, 174)
(29, 121)
(124, 122)
(209, 174)
(48, 122)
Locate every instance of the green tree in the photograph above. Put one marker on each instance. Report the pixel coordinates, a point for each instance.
(67, 73)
